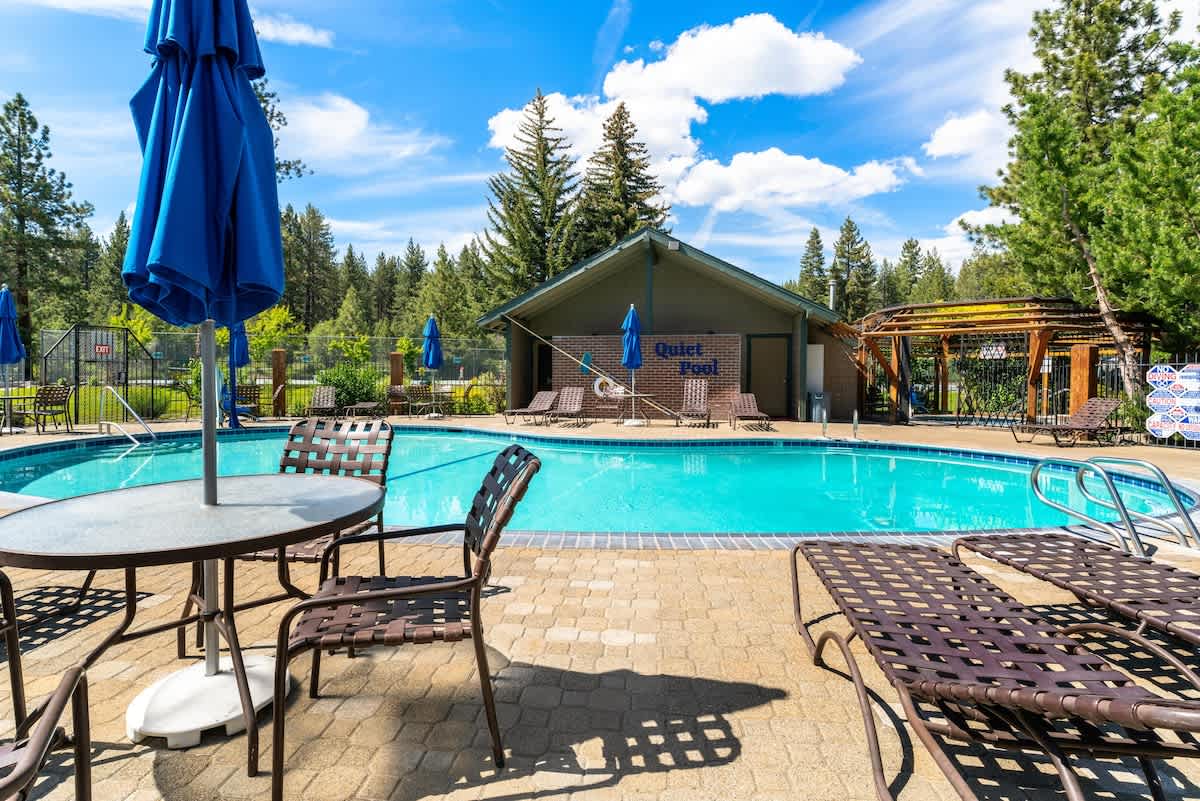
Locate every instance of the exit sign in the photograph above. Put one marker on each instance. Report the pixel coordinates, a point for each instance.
(103, 349)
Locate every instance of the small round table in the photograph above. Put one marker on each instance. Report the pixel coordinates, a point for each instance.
(166, 524)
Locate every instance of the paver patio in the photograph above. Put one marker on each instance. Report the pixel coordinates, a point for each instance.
(625, 675)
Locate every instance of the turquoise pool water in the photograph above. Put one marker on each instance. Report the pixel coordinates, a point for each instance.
(621, 487)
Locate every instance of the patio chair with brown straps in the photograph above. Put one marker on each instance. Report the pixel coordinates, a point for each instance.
(323, 403)
(745, 407)
(397, 399)
(695, 402)
(541, 406)
(570, 405)
(423, 400)
(971, 663)
(49, 406)
(356, 612)
(1148, 593)
(38, 734)
(358, 448)
(1093, 420)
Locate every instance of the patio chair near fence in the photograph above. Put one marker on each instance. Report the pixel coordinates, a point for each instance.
(744, 407)
(397, 399)
(541, 406)
(38, 735)
(49, 405)
(971, 663)
(358, 448)
(695, 402)
(323, 403)
(1093, 420)
(357, 612)
(423, 400)
(569, 406)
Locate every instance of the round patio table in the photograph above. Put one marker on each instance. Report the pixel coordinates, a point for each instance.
(166, 524)
(6, 416)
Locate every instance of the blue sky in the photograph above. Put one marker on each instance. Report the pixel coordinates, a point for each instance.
(763, 118)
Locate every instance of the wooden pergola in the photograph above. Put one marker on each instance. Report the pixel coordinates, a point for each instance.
(1040, 322)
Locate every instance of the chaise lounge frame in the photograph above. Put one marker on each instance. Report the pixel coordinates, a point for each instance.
(1090, 420)
(970, 663)
(695, 403)
(541, 406)
(745, 407)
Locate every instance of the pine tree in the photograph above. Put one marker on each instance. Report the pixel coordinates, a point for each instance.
(312, 285)
(472, 274)
(936, 283)
(849, 253)
(860, 285)
(268, 98)
(413, 269)
(814, 281)
(989, 274)
(106, 291)
(1097, 62)
(350, 320)
(887, 286)
(386, 282)
(442, 295)
(355, 275)
(531, 227)
(908, 268)
(37, 214)
(618, 195)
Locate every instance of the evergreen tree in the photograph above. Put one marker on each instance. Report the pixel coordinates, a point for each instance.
(1097, 62)
(471, 272)
(888, 287)
(355, 275)
(269, 100)
(312, 285)
(350, 320)
(936, 282)
(850, 253)
(531, 228)
(413, 268)
(989, 274)
(37, 213)
(442, 295)
(860, 285)
(814, 282)
(106, 291)
(908, 268)
(618, 194)
(386, 283)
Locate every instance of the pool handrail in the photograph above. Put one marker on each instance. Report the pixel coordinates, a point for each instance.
(1169, 490)
(104, 396)
(1125, 540)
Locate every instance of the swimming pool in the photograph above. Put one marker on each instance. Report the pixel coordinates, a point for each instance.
(750, 487)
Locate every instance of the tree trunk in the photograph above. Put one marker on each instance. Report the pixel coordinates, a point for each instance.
(1127, 359)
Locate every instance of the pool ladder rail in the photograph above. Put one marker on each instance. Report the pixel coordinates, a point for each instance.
(111, 424)
(1126, 534)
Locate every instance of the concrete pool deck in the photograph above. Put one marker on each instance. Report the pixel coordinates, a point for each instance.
(626, 676)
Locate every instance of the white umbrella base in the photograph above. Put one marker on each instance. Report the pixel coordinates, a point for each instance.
(634, 421)
(182, 706)
(11, 430)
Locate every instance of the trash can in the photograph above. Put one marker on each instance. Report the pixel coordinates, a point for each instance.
(816, 406)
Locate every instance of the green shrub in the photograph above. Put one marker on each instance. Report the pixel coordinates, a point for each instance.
(148, 403)
(354, 383)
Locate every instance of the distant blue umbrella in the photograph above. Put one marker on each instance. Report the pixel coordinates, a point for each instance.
(631, 356)
(12, 350)
(239, 356)
(431, 349)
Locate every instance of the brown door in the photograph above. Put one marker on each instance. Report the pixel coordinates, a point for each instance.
(769, 368)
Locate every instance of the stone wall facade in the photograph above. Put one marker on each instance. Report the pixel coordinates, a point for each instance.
(666, 361)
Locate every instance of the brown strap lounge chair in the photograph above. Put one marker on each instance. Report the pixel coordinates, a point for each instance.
(356, 612)
(354, 447)
(397, 399)
(695, 402)
(1092, 420)
(745, 407)
(1150, 594)
(570, 405)
(49, 406)
(323, 403)
(540, 406)
(423, 400)
(971, 663)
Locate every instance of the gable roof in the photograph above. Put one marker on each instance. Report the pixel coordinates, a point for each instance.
(566, 283)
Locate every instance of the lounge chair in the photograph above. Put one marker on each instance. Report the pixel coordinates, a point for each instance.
(745, 407)
(356, 612)
(1148, 593)
(40, 734)
(612, 402)
(570, 405)
(541, 406)
(1091, 420)
(247, 400)
(49, 406)
(971, 663)
(695, 402)
(423, 400)
(397, 399)
(323, 403)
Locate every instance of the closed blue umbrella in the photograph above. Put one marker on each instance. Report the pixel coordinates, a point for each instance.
(239, 356)
(431, 349)
(631, 355)
(204, 246)
(12, 349)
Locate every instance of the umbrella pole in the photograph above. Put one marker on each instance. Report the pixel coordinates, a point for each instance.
(208, 449)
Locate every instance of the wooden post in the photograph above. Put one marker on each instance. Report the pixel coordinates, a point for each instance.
(944, 395)
(396, 363)
(279, 382)
(894, 382)
(1039, 340)
(1084, 360)
(860, 357)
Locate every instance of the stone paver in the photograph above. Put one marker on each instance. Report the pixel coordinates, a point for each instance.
(721, 703)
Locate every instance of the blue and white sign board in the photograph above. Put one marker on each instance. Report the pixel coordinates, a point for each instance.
(1174, 401)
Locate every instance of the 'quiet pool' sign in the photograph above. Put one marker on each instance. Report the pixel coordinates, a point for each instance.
(692, 360)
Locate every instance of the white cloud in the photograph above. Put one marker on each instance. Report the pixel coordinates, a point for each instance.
(453, 227)
(272, 28)
(977, 142)
(413, 184)
(953, 244)
(657, 46)
(772, 178)
(333, 134)
(608, 38)
(627, 49)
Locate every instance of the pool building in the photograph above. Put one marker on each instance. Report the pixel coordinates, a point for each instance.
(702, 317)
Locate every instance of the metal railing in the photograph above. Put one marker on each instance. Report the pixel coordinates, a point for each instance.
(1127, 539)
(103, 421)
(1185, 532)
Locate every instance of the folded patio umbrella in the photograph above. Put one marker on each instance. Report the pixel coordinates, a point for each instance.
(12, 349)
(631, 352)
(239, 356)
(431, 348)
